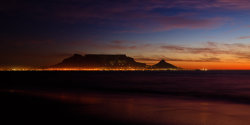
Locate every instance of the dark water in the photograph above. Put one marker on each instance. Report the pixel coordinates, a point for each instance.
(172, 98)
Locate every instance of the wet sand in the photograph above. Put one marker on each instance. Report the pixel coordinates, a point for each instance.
(17, 108)
(151, 98)
(23, 106)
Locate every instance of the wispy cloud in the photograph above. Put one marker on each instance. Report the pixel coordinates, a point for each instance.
(236, 50)
(244, 37)
(153, 59)
(124, 45)
(166, 23)
(208, 4)
(194, 50)
(134, 15)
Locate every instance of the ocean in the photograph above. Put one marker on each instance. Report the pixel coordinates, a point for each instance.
(126, 97)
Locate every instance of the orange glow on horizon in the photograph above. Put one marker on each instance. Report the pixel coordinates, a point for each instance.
(213, 65)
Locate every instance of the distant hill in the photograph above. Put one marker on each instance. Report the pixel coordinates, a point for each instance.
(108, 61)
(164, 65)
(99, 60)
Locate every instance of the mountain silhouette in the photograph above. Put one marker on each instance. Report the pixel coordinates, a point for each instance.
(99, 60)
(164, 64)
(108, 61)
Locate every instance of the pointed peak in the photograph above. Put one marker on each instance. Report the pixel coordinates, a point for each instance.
(77, 55)
(163, 64)
(162, 60)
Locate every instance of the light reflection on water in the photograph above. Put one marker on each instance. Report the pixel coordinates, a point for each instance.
(152, 109)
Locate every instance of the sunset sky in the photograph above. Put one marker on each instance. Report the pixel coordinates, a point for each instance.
(213, 34)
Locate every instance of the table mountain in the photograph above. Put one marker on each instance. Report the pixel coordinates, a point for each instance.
(99, 60)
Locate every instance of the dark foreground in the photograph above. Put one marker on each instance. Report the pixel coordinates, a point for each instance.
(147, 98)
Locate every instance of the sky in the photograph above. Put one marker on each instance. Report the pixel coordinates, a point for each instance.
(193, 34)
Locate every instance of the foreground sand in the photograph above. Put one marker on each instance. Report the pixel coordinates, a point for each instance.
(26, 106)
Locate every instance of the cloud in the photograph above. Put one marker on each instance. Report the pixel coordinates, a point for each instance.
(244, 37)
(130, 15)
(153, 59)
(108, 45)
(208, 4)
(178, 22)
(124, 45)
(233, 4)
(193, 50)
(165, 23)
(235, 50)
(120, 47)
(108, 9)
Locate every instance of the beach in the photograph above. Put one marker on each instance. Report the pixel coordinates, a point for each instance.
(151, 98)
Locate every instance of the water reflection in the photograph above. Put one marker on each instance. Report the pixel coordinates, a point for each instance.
(151, 109)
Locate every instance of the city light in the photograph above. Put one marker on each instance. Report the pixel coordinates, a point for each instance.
(89, 69)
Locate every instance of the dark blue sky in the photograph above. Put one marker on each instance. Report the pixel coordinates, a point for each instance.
(191, 34)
